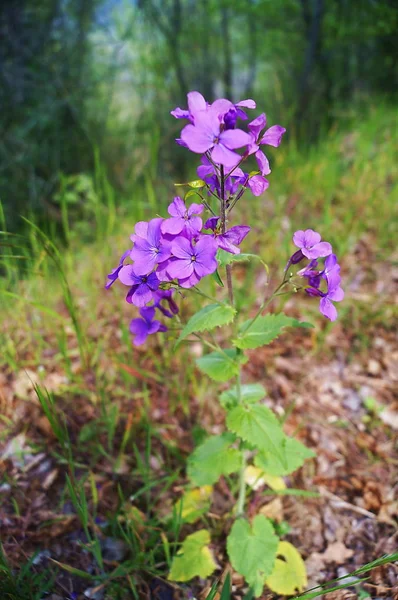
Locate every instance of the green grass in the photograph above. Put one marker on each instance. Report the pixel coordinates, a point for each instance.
(58, 316)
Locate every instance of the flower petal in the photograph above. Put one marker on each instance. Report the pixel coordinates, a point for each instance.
(327, 309)
(234, 138)
(196, 102)
(273, 136)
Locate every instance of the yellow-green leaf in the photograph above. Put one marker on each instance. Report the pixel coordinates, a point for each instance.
(194, 503)
(289, 575)
(194, 559)
(256, 479)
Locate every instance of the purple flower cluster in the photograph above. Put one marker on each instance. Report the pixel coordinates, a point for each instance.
(212, 132)
(168, 254)
(328, 278)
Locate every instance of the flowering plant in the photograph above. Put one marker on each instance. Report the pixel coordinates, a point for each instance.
(169, 256)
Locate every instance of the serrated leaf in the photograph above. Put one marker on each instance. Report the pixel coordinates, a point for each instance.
(256, 479)
(213, 458)
(257, 424)
(221, 366)
(263, 330)
(194, 503)
(250, 393)
(295, 455)
(194, 559)
(252, 550)
(289, 575)
(209, 317)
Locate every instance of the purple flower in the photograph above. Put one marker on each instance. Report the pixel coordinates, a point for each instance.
(257, 184)
(150, 250)
(272, 136)
(334, 293)
(142, 286)
(196, 103)
(182, 218)
(207, 172)
(309, 242)
(228, 113)
(192, 262)
(114, 274)
(229, 240)
(165, 295)
(145, 326)
(207, 135)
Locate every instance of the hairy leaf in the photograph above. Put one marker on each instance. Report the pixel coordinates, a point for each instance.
(213, 458)
(194, 559)
(263, 330)
(257, 424)
(252, 550)
(289, 575)
(221, 366)
(209, 317)
(194, 503)
(294, 456)
(250, 393)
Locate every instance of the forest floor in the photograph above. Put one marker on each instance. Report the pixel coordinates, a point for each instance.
(87, 511)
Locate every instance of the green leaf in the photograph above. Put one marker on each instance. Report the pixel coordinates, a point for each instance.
(194, 559)
(249, 393)
(226, 258)
(213, 458)
(252, 550)
(217, 278)
(221, 366)
(194, 503)
(295, 455)
(209, 317)
(289, 575)
(258, 332)
(192, 193)
(257, 424)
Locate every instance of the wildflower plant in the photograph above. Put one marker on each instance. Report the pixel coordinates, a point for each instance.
(168, 258)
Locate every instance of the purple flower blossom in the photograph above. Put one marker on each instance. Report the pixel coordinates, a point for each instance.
(207, 135)
(165, 296)
(114, 274)
(330, 274)
(192, 262)
(142, 286)
(271, 137)
(196, 103)
(257, 184)
(227, 112)
(149, 250)
(229, 240)
(145, 326)
(183, 219)
(309, 242)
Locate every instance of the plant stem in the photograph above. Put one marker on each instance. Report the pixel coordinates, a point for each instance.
(223, 229)
(240, 507)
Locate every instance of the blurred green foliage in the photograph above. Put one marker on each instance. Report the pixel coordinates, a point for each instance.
(83, 81)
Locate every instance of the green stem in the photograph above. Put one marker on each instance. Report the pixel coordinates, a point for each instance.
(240, 507)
